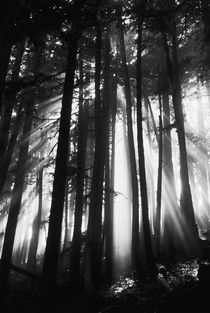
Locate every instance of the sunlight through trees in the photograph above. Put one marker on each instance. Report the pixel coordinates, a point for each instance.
(104, 141)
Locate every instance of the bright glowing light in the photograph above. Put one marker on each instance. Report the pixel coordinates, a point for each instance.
(122, 285)
(122, 202)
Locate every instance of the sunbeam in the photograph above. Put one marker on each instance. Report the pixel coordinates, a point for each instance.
(122, 201)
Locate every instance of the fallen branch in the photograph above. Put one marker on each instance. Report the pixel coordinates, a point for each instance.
(25, 273)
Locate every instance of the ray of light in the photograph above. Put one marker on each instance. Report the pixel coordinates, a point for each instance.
(122, 202)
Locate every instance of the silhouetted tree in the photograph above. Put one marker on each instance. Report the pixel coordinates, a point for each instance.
(143, 185)
(79, 201)
(56, 212)
(132, 153)
(18, 188)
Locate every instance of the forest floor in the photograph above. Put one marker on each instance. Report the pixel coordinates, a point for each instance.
(178, 290)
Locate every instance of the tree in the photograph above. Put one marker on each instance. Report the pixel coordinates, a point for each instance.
(132, 154)
(94, 231)
(32, 256)
(167, 24)
(9, 103)
(79, 201)
(190, 228)
(170, 234)
(16, 200)
(159, 183)
(4, 61)
(205, 8)
(108, 100)
(143, 185)
(56, 212)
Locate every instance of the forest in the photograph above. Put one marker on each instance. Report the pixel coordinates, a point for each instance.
(104, 156)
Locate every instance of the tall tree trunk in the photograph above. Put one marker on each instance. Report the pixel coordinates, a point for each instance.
(10, 149)
(9, 104)
(108, 99)
(109, 218)
(150, 166)
(203, 162)
(72, 198)
(15, 201)
(148, 104)
(49, 273)
(159, 183)
(18, 188)
(5, 51)
(132, 156)
(81, 157)
(208, 157)
(66, 221)
(143, 184)
(193, 186)
(205, 6)
(32, 259)
(190, 228)
(94, 232)
(169, 189)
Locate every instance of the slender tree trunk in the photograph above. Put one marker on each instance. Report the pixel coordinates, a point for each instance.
(190, 228)
(205, 6)
(72, 198)
(143, 184)
(159, 183)
(193, 185)
(169, 189)
(11, 146)
(132, 156)
(208, 158)
(32, 260)
(15, 201)
(18, 188)
(203, 162)
(149, 165)
(152, 116)
(109, 218)
(56, 213)
(9, 104)
(66, 235)
(108, 214)
(94, 232)
(81, 157)
(5, 51)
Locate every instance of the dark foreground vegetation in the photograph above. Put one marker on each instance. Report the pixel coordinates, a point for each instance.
(176, 288)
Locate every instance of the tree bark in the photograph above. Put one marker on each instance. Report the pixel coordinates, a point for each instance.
(66, 218)
(94, 231)
(203, 163)
(190, 229)
(9, 102)
(18, 188)
(81, 157)
(159, 184)
(150, 166)
(108, 99)
(205, 6)
(5, 51)
(132, 156)
(32, 260)
(169, 189)
(49, 272)
(15, 201)
(10, 149)
(143, 184)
